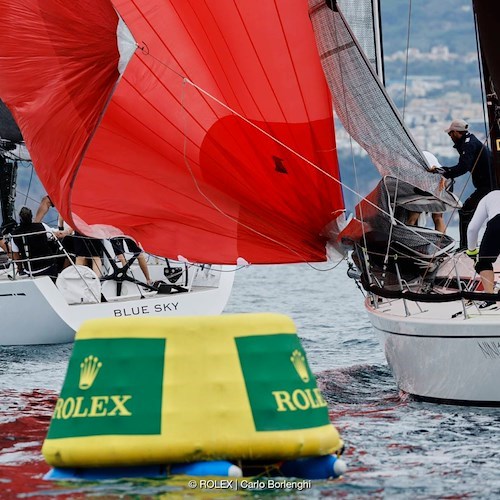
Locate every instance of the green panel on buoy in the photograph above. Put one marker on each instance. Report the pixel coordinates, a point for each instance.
(113, 386)
(281, 388)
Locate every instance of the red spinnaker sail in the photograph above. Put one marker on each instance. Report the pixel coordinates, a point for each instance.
(207, 142)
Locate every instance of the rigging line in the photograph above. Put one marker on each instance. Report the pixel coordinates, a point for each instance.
(29, 184)
(307, 161)
(386, 259)
(267, 134)
(26, 195)
(481, 75)
(404, 111)
(186, 80)
(355, 44)
(356, 178)
(331, 268)
(188, 165)
(484, 98)
(407, 57)
(337, 44)
(381, 88)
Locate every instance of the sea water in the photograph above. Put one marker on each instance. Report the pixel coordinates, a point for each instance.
(395, 447)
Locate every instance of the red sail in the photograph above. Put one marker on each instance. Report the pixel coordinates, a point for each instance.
(215, 142)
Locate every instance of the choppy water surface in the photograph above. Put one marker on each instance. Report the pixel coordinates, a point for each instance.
(395, 447)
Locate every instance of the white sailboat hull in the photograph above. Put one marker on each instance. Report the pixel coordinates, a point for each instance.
(438, 353)
(34, 311)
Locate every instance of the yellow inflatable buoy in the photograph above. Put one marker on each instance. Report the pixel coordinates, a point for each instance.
(144, 391)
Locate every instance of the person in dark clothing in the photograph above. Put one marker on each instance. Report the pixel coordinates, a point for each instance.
(88, 251)
(475, 157)
(133, 248)
(4, 254)
(31, 240)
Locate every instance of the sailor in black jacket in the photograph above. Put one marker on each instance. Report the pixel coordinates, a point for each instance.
(30, 240)
(475, 157)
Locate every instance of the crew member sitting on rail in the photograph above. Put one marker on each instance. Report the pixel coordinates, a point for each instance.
(488, 210)
(31, 241)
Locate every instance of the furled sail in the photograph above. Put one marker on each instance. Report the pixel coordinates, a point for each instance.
(202, 129)
(10, 139)
(362, 104)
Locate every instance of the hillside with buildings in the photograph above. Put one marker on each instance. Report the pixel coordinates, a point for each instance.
(432, 74)
(431, 67)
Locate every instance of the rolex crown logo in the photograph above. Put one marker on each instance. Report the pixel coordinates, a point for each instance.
(89, 369)
(299, 363)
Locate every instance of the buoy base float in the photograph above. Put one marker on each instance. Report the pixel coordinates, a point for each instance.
(188, 391)
(215, 468)
(325, 467)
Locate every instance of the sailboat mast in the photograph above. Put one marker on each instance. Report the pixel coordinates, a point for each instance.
(493, 110)
(487, 18)
(10, 136)
(377, 34)
(8, 177)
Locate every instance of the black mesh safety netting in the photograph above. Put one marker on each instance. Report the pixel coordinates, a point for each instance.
(362, 104)
(384, 213)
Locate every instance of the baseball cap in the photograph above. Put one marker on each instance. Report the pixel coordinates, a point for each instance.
(458, 125)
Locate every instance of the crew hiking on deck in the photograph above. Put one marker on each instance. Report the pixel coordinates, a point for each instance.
(475, 157)
(488, 210)
(31, 246)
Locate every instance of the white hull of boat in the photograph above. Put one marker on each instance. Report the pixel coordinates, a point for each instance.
(438, 353)
(34, 311)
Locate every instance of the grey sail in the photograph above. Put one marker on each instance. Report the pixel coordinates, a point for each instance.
(362, 104)
(363, 17)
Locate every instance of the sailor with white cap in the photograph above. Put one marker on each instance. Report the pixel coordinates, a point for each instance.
(474, 158)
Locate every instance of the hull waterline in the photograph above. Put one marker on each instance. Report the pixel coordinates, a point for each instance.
(33, 311)
(439, 352)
